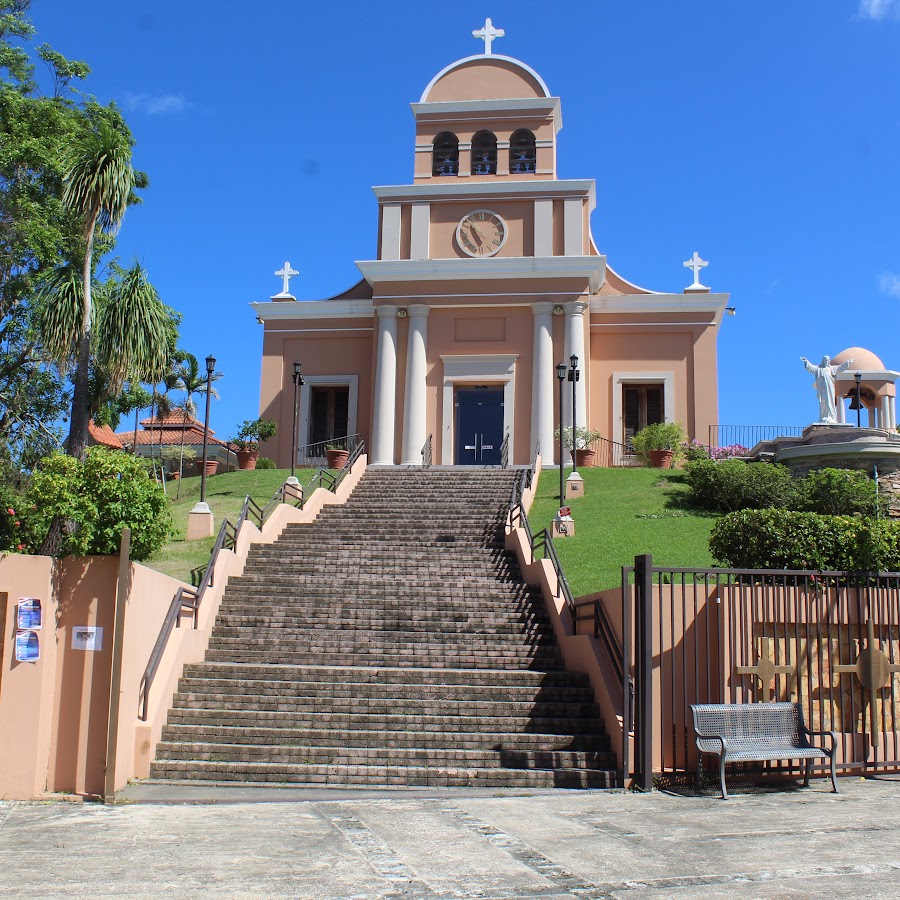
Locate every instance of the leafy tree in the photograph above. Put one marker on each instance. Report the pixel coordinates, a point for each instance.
(97, 498)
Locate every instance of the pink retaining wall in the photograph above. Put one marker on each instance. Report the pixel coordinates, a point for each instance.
(54, 713)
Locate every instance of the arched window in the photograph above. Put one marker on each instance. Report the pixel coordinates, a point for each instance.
(484, 154)
(445, 155)
(522, 156)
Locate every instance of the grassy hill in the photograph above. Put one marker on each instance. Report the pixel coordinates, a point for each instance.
(225, 495)
(625, 512)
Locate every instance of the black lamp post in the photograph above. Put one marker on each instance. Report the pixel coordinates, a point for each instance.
(298, 382)
(574, 376)
(857, 378)
(561, 375)
(210, 368)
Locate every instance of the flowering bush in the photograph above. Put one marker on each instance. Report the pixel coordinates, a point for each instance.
(11, 528)
(695, 450)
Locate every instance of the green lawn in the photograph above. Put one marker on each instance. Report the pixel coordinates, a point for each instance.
(625, 512)
(225, 495)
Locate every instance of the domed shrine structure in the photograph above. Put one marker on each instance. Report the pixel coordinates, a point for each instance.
(486, 277)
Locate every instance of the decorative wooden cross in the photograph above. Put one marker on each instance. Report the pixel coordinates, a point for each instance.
(488, 34)
(873, 669)
(765, 669)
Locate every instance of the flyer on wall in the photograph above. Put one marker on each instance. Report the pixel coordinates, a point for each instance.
(28, 616)
(28, 646)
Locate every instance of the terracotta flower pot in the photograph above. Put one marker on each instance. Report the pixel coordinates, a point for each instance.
(337, 459)
(174, 475)
(584, 457)
(661, 459)
(212, 466)
(247, 458)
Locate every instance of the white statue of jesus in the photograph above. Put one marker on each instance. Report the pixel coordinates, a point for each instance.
(825, 374)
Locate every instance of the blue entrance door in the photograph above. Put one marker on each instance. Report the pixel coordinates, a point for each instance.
(479, 426)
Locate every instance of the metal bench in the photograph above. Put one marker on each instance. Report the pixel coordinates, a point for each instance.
(754, 732)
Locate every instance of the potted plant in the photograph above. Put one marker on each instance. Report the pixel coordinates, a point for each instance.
(660, 445)
(248, 439)
(336, 456)
(582, 454)
(177, 455)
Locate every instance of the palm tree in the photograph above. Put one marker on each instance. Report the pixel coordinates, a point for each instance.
(193, 383)
(97, 185)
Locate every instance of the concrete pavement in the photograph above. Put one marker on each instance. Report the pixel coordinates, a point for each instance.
(447, 844)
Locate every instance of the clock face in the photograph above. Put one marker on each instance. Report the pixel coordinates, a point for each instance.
(481, 233)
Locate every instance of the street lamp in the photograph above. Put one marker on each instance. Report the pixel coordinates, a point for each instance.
(857, 378)
(561, 375)
(574, 376)
(210, 368)
(298, 383)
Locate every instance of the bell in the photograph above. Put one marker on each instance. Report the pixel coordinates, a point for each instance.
(855, 402)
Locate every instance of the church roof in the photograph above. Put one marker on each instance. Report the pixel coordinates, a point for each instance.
(864, 360)
(510, 79)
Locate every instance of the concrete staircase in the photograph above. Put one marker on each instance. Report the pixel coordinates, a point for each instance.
(390, 642)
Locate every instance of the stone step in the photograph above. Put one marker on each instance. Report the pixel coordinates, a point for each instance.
(386, 756)
(378, 706)
(407, 776)
(388, 675)
(291, 625)
(400, 642)
(376, 721)
(414, 689)
(360, 737)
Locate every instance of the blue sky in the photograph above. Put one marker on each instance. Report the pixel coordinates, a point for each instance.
(765, 135)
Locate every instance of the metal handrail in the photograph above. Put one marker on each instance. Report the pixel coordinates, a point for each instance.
(317, 451)
(612, 454)
(426, 453)
(529, 480)
(504, 451)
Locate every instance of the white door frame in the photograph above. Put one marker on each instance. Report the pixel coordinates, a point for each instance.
(477, 369)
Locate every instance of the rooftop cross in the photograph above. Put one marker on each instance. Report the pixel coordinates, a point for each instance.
(287, 273)
(696, 264)
(487, 34)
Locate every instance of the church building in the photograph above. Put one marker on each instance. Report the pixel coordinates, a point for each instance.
(485, 278)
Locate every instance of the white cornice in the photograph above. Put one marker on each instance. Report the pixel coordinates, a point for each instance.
(490, 109)
(505, 267)
(868, 374)
(467, 189)
(713, 304)
(314, 309)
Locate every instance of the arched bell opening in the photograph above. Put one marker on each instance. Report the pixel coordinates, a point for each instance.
(484, 154)
(445, 155)
(522, 153)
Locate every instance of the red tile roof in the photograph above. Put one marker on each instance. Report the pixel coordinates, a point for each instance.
(169, 438)
(103, 435)
(176, 418)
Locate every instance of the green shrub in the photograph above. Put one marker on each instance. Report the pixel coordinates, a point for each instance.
(12, 528)
(97, 498)
(659, 436)
(839, 492)
(729, 484)
(787, 539)
(265, 463)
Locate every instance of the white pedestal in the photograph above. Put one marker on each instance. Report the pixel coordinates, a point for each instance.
(574, 486)
(200, 522)
(563, 527)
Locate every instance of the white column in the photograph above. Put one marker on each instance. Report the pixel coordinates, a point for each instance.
(884, 413)
(543, 382)
(871, 416)
(384, 412)
(839, 406)
(892, 423)
(575, 344)
(414, 406)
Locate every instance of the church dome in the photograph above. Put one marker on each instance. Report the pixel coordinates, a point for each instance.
(485, 77)
(864, 360)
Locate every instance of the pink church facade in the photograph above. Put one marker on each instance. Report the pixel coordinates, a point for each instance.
(486, 277)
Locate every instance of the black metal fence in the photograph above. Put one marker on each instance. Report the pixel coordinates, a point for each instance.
(314, 454)
(611, 454)
(828, 640)
(748, 436)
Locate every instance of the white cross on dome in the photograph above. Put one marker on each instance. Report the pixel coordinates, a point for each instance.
(696, 264)
(286, 273)
(488, 35)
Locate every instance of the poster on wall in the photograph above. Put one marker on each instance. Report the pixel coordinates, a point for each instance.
(28, 646)
(28, 614)
(87, 637)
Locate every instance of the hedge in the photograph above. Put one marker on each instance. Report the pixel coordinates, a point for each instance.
(786, 539)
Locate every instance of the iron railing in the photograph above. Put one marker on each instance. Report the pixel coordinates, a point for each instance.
(426, 453)
(504, 451)
(542, 543)
(742, 635)
(748, 436)
(314, 454)
(188, 599)
(612, 455)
